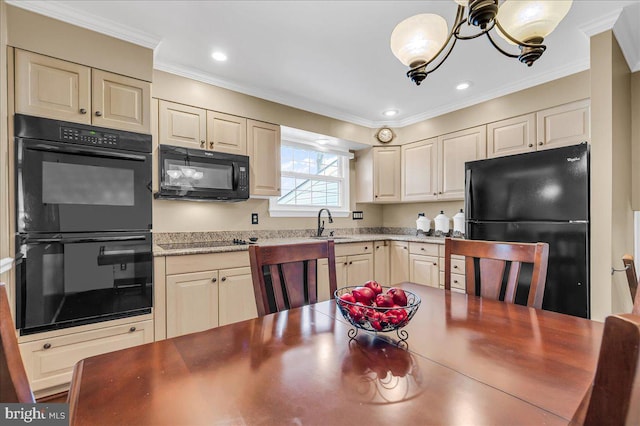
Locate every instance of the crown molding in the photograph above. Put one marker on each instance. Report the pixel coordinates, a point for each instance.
(628, 37)
(294, 102)
(601, 24)
(61, 12)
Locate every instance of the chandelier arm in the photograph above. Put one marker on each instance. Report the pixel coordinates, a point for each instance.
(516, 41)
(459, 21)
(499, 49)
(471, 37)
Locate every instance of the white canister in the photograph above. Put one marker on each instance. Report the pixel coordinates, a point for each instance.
(458, 224)
(423, 223)
(442, 224)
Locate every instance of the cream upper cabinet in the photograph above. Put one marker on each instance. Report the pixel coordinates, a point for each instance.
(182, 125)
(263, 147)
(52, 88)
(227, 133)
(420, 170)
(454, 150)
(381, 262)
(564, 125)
(237, 300)
(398, 262)
(192, 302)
(378, 175)
(121, 102)
(512, 136)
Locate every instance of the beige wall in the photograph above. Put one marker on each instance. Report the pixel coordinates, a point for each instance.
(38, 33)
(4, 146)
(405, 215)
(195, 93)
(557, 92)
(635, 138)
(611, 216)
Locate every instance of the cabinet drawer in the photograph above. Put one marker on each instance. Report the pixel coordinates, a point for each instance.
(354, 248)
(206, 262)
(457, 281)
(49, 362)
(427, 249)
(457, 264)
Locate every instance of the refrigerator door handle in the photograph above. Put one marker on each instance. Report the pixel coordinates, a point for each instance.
(467, 189)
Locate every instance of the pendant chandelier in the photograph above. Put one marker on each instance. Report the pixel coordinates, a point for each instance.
(423, 42)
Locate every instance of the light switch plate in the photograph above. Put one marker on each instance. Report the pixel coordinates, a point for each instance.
(357, 215)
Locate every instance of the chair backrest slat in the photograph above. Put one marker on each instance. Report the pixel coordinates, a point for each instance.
(14, 384)
(494, 259)
(291, 278)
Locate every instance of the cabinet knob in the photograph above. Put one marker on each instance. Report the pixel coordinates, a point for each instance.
(455, 281)
(132, 329)
(422, 248)
(366, 247)
(214, 279)
(46, 346)
(530, 145)
(455, 266)
(440, 192)
(223, 279)
(211, 145)
(98, 114)
(345, 263)
(350, 263)
(376, 196)
(83, 111)
(435, 264)
(540, 143)
(202, 144)
(377, 247)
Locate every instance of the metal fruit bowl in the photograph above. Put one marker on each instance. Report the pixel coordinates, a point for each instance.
(374, 318)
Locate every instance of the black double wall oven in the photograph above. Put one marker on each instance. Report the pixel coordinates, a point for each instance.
(83, 221)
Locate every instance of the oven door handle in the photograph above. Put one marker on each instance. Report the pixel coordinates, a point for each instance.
(85, 239)
(88, 151)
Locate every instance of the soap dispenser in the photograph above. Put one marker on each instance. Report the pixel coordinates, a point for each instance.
(423, 224)
(458, 224)
(442, 224)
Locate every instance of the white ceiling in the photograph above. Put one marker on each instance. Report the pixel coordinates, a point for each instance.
(333, 57)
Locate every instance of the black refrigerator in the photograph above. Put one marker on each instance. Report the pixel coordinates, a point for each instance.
(537, 197)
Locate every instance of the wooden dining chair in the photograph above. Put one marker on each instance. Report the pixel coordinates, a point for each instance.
(14, 384)
(285, 276)
(490, 259)
(632, 279)
(614, 396)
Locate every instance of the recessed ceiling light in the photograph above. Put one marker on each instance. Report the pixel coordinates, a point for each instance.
(219, 56)
(464, 85)
(390, 112)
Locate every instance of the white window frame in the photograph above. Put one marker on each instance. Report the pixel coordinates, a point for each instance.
(276, 210)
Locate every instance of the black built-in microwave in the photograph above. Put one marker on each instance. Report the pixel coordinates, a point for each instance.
(199, 175)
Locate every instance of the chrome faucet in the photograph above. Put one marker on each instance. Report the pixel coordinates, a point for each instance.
(321, 226)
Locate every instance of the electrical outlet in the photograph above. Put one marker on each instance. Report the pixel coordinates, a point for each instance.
(254, 218)
(357, 215)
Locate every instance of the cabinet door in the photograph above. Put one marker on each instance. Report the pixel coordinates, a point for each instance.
(263, 147)
(424, 270)
(398, 262)
(341, 271)
(386, 174)
(51, 88)
(49, 362)
(182, 125)
(237, 300)
(381, 262)
(120, 102)
(227, 133)
(454, 150)
(359, 269)
(192, 302)
(420, 171)
(512, 136)
(564, 125)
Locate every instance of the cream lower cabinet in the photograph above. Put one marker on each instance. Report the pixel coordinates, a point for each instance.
(53, 88)
(49, 361)
(458, 282)
(263, 148)
(398, 262)
(202, 291)
(381, 262)
(354, 267)
(423, 264)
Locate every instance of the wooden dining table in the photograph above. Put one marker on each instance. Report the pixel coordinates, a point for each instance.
(466, 361)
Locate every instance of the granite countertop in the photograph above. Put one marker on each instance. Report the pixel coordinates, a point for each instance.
(184, 248)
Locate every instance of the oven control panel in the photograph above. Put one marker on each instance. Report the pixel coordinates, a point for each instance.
(90, 137)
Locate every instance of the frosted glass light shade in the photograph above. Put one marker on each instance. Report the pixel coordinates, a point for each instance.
(526, 19)
(419, 38)
(464, 3)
